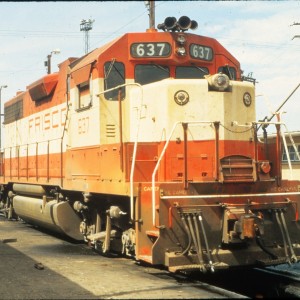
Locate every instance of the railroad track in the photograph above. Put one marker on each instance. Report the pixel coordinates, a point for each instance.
(280, 281)
(286, 277)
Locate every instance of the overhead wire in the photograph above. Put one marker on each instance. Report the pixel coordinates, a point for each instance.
(47, 34)
(123, 26)
(107, 35)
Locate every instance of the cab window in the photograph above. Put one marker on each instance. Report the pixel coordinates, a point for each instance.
(229, 71)
(114, 76)
(191, 72)
(145, 74)
(84, 95)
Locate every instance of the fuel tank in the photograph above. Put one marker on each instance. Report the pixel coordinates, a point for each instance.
(52, 215)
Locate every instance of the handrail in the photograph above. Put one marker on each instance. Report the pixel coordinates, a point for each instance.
(135, 142)
(252, 124)
(162, 155)
(134, 155)
(283, 134)
(287, 151)
(217, 196)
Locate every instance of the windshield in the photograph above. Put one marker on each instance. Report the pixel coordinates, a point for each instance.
(191, 72)
(145, 74)
(229, 71)
(114, 76)
(150, 73)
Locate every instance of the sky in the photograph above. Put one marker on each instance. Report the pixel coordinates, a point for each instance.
(262, 35)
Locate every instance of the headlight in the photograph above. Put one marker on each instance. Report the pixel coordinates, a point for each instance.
(181, 39)
(219, 82)
(181, 51)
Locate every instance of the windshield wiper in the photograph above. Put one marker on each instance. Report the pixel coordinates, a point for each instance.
(202, 70)
(161, 67)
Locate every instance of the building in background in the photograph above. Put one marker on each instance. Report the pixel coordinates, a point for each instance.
(290, 158)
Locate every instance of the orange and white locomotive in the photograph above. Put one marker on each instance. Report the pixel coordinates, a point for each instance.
(148, 146)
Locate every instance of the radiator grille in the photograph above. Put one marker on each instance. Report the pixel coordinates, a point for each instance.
(238, 169)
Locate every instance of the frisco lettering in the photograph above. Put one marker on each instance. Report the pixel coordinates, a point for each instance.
(49, 120)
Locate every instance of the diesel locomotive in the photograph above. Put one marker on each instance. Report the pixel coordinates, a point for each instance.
(148, 146)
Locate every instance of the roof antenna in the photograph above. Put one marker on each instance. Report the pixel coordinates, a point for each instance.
(151, 8)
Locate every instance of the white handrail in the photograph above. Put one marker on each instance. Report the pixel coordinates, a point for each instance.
(161, 156)
(135, 143)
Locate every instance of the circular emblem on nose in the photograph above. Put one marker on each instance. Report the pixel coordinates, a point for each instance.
(247, 99)
(181, 97)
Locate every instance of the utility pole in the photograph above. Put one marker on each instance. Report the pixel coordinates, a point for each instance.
(48, 61)
(86, 26)
(1, 87)
(151, 8)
